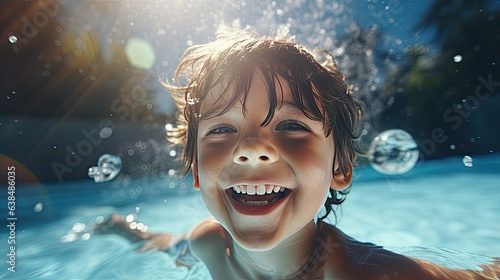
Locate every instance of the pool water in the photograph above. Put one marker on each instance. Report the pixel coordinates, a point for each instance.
(441, 211)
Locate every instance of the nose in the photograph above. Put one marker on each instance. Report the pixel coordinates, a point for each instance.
(254, 151)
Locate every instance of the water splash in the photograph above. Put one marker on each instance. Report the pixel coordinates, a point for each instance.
(393, 152)
(108, 167)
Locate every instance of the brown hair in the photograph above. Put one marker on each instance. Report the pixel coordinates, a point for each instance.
(318, 89)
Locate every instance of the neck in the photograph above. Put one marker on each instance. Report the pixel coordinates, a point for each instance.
(289, 257)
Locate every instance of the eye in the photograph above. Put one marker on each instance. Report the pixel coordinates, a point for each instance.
(220, 129)
(291, 125)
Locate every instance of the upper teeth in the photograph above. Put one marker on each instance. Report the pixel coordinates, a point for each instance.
(258, 190)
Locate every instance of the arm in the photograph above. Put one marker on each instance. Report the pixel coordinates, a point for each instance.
(117, 224)
(489, 271)
(178, 246)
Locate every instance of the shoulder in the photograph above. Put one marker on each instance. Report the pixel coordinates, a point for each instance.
(207, 237)
(352, 259)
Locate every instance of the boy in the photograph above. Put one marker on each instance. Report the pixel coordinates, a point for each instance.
(269, 136)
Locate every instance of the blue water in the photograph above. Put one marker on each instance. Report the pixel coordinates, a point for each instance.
(441, 211)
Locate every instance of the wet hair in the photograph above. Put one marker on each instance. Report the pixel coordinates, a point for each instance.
(228, 65)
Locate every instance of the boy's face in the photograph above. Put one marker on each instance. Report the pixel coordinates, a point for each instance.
(235, 154)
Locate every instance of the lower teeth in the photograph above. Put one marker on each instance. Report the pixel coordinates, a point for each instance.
(254, 202)
(257, 202)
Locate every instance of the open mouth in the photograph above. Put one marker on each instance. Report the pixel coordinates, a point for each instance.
(258, 195)
(256, 199)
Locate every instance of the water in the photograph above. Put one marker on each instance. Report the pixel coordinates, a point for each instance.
(440, 211)
(413, 208)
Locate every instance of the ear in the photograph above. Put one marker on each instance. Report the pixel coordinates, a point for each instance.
(196, 180)
(341, 181)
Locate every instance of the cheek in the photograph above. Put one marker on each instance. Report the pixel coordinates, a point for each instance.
(314, 158)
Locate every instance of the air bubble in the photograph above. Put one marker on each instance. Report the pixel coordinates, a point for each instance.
(457, 58)
(393, 152)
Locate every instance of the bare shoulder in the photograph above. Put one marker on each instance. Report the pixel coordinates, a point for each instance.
(207, 237)
(352, 259)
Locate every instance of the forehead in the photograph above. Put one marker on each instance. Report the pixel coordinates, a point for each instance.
(262, 87)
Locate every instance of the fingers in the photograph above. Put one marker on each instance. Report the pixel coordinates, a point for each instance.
(105, 226)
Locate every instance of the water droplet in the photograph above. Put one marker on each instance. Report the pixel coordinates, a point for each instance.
(78, 227)
(172, 153)
(86, 236)
(106, 132)
(12, 39)
(468, 162)
(191, 100)
(457, 58)
(108, 167)
(168, 127)
(171, 172)
(38, 207)
(94, 172)
(129, 218)
(452, 147)
(137, 209)
(393, 152)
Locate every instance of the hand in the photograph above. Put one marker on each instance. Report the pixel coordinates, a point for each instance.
(159, 242)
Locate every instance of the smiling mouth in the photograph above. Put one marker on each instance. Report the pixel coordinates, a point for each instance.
(258, 195)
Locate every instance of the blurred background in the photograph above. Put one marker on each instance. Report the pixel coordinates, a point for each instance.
(79, 79)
